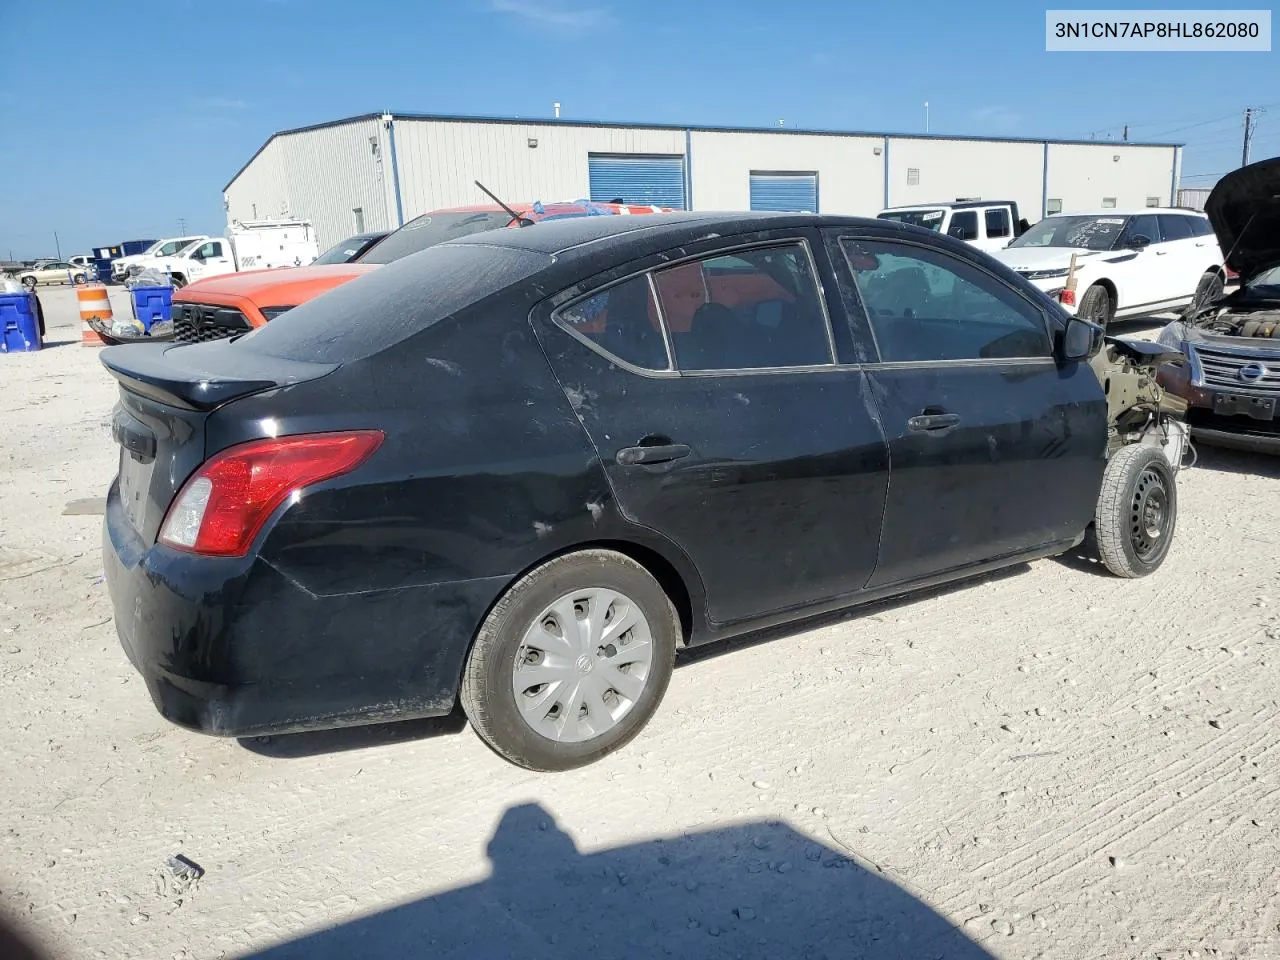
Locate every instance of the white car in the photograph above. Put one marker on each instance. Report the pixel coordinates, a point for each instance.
(1128, 264)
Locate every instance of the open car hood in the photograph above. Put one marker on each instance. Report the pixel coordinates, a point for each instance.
(1244, 209)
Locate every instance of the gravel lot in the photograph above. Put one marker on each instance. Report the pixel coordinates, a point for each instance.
(1049, 762)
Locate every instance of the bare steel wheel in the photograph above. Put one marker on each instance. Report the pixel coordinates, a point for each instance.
(1137, 511)
(583, 665)
(572, 661)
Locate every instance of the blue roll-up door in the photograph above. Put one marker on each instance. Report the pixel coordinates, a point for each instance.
(787, 192)
(637, 178)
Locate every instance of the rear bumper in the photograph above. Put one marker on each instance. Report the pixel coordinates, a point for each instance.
(234, 648)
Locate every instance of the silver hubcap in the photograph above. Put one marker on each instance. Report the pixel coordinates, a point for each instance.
(583, 665)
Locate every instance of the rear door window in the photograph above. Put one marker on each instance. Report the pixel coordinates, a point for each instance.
(752, 309)
(1174, 227)
(999, 223)
(622, 321)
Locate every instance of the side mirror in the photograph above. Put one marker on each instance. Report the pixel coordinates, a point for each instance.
(1081, 340)
(1139, 242)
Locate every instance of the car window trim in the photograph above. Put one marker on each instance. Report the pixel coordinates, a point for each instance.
(673, 369)
(862, 303)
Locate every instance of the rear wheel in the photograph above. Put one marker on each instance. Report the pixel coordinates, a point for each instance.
(1096, 306)
(178, 281)
(1208, 290)
(1137, 511)
(78, 279)
(29, 282)
(571, 662)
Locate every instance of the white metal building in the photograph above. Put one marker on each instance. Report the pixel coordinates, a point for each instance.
(378, 170)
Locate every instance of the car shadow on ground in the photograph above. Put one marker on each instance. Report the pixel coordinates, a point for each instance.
(1224, 460)
(293, 746)
(751, 890)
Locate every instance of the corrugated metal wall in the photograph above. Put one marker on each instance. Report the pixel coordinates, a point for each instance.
(1193, 197)
(439, 160)
(850, 172)
(1082, 176)
(261, 189)
(981, 169)
(323, 173)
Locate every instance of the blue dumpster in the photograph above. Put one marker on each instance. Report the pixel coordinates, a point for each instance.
(152, 305)
(19, 324)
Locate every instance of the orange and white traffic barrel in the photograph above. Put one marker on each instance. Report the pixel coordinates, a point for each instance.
(95, 304)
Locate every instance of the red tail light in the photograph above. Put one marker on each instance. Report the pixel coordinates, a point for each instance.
(222, 507)
(1067, 297)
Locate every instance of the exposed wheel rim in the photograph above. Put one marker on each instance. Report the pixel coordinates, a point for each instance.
(29, 284)
(583, 665)
(1150, 514)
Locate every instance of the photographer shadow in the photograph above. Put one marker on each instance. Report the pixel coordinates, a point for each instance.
(749, 890)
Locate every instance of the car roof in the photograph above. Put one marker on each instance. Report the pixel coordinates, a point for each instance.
(1128, 213)
(951, 205)
(561, 238)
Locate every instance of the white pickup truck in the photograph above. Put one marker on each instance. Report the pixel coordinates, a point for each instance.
(987, 224)
(248, 245)
(168, 247)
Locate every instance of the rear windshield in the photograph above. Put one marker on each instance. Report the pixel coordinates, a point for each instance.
(344, 251)
(382, 308)
(430, 229)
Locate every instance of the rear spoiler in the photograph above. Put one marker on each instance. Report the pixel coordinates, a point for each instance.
(205, 375)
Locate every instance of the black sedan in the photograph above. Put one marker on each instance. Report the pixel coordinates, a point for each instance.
(521, 469)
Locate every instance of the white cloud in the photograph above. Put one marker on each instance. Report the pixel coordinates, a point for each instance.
(551, 16)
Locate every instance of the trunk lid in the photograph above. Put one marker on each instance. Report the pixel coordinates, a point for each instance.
(167, 393)
(1244, 209)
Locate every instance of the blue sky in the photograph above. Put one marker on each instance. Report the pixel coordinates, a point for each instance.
(209, 82)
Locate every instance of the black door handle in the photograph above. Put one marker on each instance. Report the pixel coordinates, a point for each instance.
(933, 422)
(658, 453)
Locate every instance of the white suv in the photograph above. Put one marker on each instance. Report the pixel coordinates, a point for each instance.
(1128, 264)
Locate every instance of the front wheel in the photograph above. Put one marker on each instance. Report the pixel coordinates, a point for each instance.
(1137, 511)
(178, 281)
(1096, 306)
(571, 662)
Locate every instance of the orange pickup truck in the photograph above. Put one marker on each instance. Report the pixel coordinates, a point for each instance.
(234, 303)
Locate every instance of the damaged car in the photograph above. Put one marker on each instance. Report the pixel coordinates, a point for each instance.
(1229, 346)
(519, 470)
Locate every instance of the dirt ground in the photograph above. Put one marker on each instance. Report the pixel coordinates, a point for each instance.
(1046, 763)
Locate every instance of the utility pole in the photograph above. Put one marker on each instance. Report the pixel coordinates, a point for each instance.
(1126, 132)
(926, 116)
(58, 245)
(182, 224)
(1249, 114)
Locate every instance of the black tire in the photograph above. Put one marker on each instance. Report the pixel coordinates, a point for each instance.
(487, 695)
(178, 281)
(1096, 305)
(40, 316)
(29, 282)
(78, 279)
(1137, 511)
(1208, 289)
